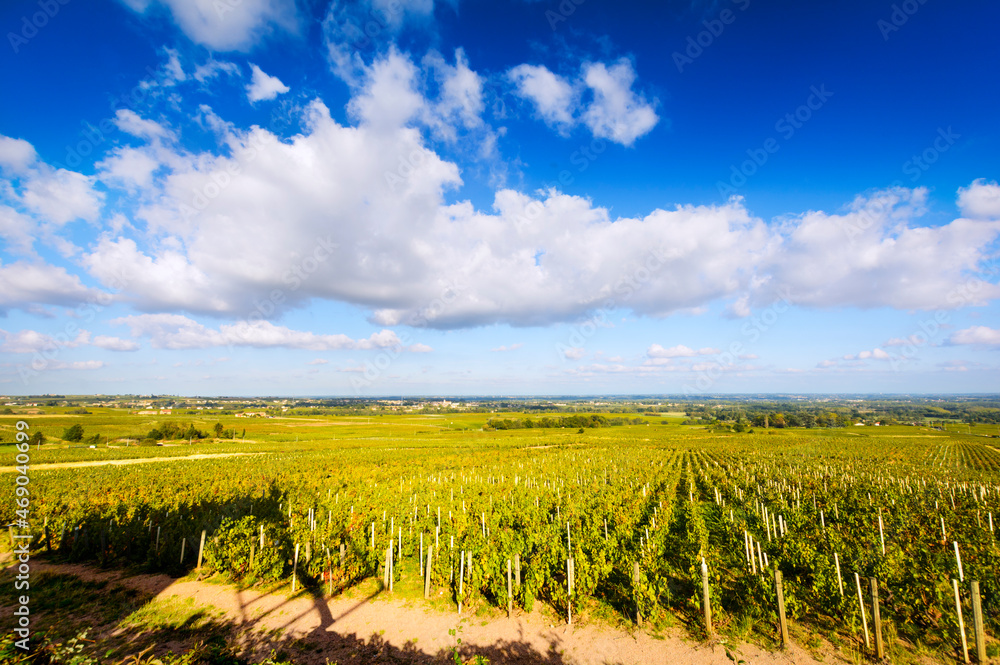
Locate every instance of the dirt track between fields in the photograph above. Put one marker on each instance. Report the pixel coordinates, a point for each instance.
(381, 628)
(140, 460)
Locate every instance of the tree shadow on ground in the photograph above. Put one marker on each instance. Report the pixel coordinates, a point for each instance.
(124, 621)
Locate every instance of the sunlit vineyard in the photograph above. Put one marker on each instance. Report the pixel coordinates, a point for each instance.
(891, 503)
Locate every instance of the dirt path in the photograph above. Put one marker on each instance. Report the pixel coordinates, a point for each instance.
(139, 460)
(383, 629)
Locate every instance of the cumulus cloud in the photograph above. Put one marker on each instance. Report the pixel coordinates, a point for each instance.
(614, 111)
(875, 254)
(26, 284)
(356, 32)
(976, 335)
(82, 365)
(413, 258)
(368, 218)
(226, 26)
(213, 68)
(856, 359)
(32, 341)
(132, 123)
(505, 347)
(679, 351)
(980, 200)
(58, 196)
(552, 95)
(460, 99)
(114, 343)
(16, 155)
(263, 86)
(131, 167)
(174, 331)
(390, 97)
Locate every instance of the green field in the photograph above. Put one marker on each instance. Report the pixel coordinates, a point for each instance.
(661, 494)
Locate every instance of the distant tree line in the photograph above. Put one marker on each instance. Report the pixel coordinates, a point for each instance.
(578, 421)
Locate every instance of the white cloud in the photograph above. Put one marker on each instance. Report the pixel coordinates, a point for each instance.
(616, 113)
(60, 196)
(399, 247)
(32, 341)
(553, 96)
(511, 347)
(367, 207)
(212, 68)
(16, 155)
(17, 230)
(264, 86)
(854, 359)
(81, 365)
(460, 97)
(132, 167)
(318, 361)
(912, 340)
(980, 200)
(574, 353)
(115, 343)
(24, 284)
(390, 97)
(356, 32)
(876, 254)
(227, 25)
(976, 335)
(174, 70)
(679, 351)
(174, 331)
(130, 122)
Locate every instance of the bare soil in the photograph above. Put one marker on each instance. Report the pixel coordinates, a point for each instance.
(383, 628)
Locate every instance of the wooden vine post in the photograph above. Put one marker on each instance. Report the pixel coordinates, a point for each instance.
(706, 599)
(427, 573)
(861, 607)
(877, 622)
(510, 590)
(782, 623)
(635, 591)
(977, 623)
(201, 550)
(569, 591)
(961, 623)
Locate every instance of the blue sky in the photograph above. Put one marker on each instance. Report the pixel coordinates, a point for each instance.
(391, 197)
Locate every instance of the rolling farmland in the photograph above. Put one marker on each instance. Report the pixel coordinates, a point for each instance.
(620, 524)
